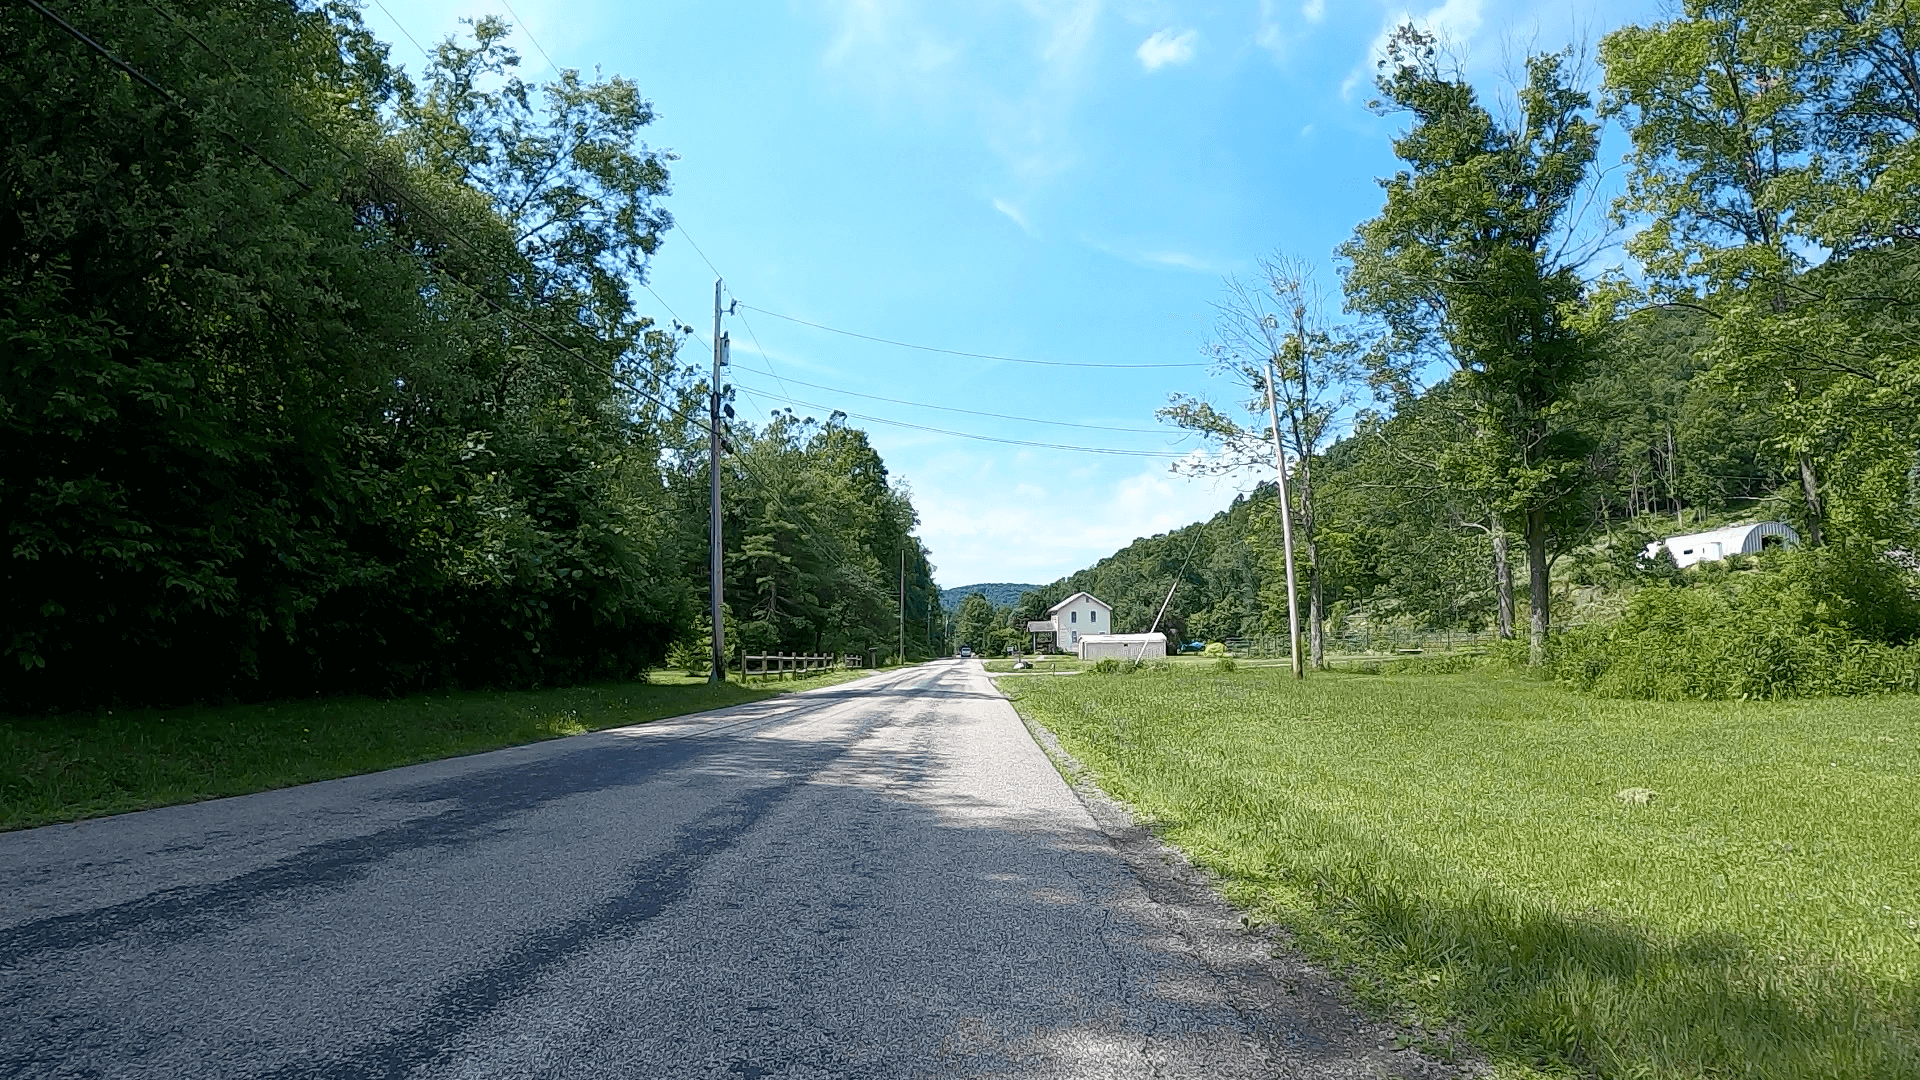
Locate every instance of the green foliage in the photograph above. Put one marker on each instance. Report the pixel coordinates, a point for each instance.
(1466, 850)
(321, 380)
(1215, 649)
(1463, 264)
(1834, 620)
(972, 622)
(816, 534)
(1225, 665)
(70, 767)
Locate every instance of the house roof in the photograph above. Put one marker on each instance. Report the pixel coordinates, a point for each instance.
(1069, 601)
(1044, 626)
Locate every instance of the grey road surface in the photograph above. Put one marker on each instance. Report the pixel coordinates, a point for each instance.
(882, 879)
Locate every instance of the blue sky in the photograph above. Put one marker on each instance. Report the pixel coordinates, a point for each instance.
(1063, 181)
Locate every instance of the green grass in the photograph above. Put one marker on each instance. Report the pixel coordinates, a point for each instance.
(1040, 663)
(64, 768)
(1456, 845)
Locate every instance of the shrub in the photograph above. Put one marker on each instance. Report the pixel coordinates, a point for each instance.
(1215, 648)
(1828, 621)
(1224, 664)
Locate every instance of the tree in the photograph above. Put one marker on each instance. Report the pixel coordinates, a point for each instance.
(1773, 162)
(973, 622)
(1464, 265)
(1278, 326)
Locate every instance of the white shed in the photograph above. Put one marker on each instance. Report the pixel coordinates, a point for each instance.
(1746, 539)
(1122, 646)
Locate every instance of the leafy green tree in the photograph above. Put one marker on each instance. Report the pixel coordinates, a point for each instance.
(972, 622)
(291, 408)
(1773, 159)
(1463, 265)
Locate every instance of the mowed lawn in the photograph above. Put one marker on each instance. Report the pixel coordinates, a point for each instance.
(1460, 845)
(62, 768)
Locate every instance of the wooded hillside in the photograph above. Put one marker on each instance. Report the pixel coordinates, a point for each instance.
(320, 378)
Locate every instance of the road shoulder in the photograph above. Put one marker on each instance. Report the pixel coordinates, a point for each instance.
(1258, 966)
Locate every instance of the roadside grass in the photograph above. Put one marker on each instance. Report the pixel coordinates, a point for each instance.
(1041, 664)
(1470, 851)
(64, 768)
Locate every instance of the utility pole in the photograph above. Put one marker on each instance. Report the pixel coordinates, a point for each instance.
(903, 605)
(1286, 531)
(719, 672)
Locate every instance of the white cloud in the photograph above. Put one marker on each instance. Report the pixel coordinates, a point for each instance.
(1454, 23)
(1041, 516)
(1313, 10)
(870, 29)
(1021, 70)
(1161, 258)
(1013, 213)
(1166, 47)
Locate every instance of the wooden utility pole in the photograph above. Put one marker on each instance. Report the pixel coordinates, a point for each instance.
(1286, 530)
(719, 672)
(903, 605)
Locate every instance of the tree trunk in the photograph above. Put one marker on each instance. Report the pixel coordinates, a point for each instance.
(1816, 511)
(1503, 581)
(1316, 614)
(1537, 585)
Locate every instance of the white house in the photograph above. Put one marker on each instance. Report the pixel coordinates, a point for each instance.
(1123, 646)
(1720, 543)
(1072, 619)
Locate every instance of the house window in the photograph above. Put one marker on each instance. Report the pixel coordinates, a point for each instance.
(1093, 616)
(1075, 616)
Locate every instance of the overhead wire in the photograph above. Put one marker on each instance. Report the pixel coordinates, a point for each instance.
(525, 29)
(960, 352)
(179, 102)
(1107, 450)
(974, 412)
(541, 332)
(767, 359)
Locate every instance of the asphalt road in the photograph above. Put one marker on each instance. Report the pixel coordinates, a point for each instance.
(882, 879)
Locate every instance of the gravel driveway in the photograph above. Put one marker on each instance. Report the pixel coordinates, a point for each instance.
(883, 879)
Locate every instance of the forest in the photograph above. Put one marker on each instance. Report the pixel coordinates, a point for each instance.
(323, 378)
(1488, 399)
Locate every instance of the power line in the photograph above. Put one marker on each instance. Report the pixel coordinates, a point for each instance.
(1108, 450)
(959, 352)
(172, 98)
(970, 412)
(527, 30)
(179, 103)
(697, 251)
(395, 19)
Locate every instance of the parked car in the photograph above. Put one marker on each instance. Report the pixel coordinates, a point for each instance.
(966, 652)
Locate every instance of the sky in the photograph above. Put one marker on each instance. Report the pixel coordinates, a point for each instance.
(1068, 181)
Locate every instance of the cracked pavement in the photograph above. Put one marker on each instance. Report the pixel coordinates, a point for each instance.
(884, 879)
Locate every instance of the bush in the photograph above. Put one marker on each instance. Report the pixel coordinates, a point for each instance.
(1224, 664)
(1215, 648)
(1113, 665)
(1828, 621)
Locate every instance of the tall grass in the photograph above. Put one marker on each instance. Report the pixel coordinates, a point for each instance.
(1482, 852)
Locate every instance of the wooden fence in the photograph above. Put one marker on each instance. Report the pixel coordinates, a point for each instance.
(779, 665)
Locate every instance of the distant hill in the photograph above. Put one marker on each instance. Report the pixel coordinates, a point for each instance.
(998, 593)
